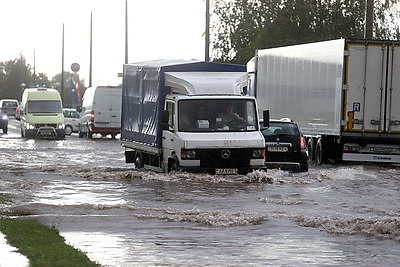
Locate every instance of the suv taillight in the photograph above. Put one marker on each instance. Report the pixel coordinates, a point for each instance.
(303, 145)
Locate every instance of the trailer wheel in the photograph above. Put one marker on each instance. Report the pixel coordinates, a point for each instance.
(311, 149)
(319, 156)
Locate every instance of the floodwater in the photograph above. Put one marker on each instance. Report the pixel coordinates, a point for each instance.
(341, 215)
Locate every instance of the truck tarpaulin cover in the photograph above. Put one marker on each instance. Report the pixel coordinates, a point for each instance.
(144, 92)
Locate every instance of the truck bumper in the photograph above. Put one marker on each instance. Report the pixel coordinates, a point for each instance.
(45, 133)
(224, 171)
(371, 157)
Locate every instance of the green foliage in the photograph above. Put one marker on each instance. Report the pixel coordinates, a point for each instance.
(15, 75)
(43, 246)
(242, 26)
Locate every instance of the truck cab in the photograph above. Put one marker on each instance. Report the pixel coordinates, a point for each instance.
(215, 134)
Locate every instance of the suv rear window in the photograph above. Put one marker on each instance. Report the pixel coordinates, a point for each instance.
(280, 128)
(12, 104)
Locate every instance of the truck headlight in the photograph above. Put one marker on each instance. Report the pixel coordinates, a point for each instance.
(259, 153)
(5, 117)
(61, 126)
(188, 154)
(30, 126)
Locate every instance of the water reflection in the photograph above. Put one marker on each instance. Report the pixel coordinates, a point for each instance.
(108, 250)
(30, 144)
(62, 192)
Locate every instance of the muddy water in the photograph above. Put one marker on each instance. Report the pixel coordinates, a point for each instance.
(333, 215)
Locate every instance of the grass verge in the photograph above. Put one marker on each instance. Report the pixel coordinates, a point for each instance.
(42, 245)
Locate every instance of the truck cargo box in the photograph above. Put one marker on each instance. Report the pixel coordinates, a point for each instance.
(303, 82)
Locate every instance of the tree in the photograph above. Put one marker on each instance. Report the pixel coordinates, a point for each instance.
(242, 26)
(15, 75)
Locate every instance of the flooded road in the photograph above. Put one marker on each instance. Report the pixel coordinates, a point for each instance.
(341, 215)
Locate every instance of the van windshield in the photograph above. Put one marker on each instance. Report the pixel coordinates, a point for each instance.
(217, 115)
(44, 106)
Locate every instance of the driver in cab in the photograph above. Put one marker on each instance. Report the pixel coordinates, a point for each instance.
(227, 117)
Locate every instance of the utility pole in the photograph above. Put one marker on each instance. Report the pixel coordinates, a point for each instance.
(34, 66)
(126, 31)
(207, 32)
(90, 52)
(369, 19)
(62, 66)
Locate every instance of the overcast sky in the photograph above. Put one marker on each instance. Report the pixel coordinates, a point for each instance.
(158, 29)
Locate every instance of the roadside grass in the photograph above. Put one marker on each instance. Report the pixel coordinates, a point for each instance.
(42, 245)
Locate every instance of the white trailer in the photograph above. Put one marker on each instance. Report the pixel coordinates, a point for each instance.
(342, 93)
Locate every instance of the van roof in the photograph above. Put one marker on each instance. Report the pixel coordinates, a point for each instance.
(42, 93)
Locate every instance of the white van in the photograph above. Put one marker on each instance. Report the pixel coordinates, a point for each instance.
(101, 111)
(42, 114)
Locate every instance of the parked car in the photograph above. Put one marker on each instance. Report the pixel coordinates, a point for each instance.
(9, 106)
(3, 121)
(285, 145)
(71, 121)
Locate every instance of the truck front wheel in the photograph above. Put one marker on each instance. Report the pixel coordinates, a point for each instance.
(138, 162)
(173, 165)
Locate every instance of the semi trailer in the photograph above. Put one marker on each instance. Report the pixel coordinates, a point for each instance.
(342, 93)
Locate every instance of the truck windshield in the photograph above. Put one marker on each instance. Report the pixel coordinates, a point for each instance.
(211, 115)
(44, 106)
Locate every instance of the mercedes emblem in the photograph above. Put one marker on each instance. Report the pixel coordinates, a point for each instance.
(225, 154)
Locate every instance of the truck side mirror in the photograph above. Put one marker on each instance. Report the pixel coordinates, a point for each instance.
(266, 118)
(164, 120)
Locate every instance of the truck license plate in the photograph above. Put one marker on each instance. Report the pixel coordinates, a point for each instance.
(226, 171)
(277, 149)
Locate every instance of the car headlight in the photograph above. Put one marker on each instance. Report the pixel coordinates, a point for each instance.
(258, 153)
(4, 117)
(188, 154)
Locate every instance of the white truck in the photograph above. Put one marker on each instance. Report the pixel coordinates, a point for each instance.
(172, 118)
(342, 93)
(101, 111)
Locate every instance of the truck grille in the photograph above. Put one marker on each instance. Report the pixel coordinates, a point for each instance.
(225, 158)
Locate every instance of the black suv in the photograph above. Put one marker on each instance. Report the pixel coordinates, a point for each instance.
(285, 146)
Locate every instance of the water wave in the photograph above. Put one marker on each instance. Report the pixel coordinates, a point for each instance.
(207, 218)
(385, 228)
